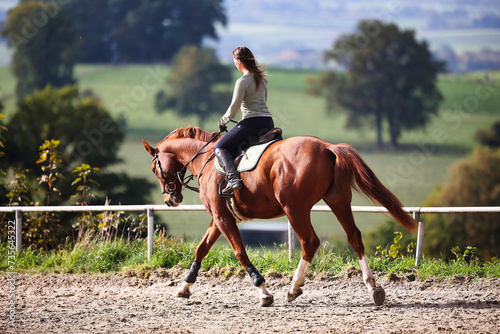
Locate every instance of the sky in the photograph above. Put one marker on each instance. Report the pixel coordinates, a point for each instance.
(6, 4)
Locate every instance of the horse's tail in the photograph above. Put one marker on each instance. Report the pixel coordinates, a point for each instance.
(349, 166)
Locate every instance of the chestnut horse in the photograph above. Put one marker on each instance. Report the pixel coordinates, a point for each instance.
(291, 177)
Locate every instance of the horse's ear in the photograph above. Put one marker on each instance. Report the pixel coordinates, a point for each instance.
(148, 148)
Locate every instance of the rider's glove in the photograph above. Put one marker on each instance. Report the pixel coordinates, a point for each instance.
(222, 126)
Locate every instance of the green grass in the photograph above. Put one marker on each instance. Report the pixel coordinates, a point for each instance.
(412, 173)
(474, 92)
(105, 257)
(130, 257)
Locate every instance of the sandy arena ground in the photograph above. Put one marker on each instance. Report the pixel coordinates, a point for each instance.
(126, 303)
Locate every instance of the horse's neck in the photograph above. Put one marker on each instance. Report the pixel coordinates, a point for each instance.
(186, 150)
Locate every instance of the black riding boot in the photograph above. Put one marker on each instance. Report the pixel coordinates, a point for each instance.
(232, 177)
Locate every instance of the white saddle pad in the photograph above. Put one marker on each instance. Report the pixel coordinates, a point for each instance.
(249, 160)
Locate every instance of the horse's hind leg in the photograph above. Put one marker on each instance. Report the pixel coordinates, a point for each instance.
(301, 223)
(342, 209)
(206, 243)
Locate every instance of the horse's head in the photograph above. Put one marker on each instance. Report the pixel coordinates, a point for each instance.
(166, 167)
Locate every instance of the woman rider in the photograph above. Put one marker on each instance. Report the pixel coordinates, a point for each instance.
(250, 95)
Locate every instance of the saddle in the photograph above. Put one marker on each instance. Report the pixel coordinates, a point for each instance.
(268, 137)
(250, 155)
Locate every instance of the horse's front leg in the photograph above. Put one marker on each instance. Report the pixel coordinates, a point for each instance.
(227, 226)
(206, 243)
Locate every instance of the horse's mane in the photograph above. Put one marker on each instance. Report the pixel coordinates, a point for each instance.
(193, 132)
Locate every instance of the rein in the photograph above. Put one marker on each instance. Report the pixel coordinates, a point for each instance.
(180, 174)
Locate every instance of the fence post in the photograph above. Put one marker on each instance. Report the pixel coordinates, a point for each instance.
(420, 237)
(151, 232)
(291, 241)
(19, 230)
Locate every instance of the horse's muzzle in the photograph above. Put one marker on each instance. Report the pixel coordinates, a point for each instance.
(173, 200)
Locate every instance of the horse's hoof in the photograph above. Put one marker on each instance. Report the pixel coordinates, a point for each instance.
(183, 294)
(292, 296)
(266, 301)
(378, 295)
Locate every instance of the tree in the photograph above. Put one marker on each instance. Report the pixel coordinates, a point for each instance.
(87, 134)
(45, 44)
(191, 85)
(103, 31)
(155, 30)
(474, 182)
(390, 77)
(142, 31)
(490, 137)
(94, 22)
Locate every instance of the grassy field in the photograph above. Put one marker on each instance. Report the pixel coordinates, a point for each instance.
(130, 258)
(412, 173)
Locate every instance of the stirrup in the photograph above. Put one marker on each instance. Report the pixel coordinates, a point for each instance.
(225, 194)
(228, 191)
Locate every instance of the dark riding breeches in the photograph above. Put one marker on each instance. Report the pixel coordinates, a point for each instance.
(244, 134)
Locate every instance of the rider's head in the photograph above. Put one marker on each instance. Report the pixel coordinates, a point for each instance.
(244, 58)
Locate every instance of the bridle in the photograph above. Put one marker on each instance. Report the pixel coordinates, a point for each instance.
(167, 187)
(170, 187)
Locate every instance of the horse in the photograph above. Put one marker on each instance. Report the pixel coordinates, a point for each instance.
(292, 175)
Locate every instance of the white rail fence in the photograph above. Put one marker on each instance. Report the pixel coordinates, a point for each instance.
(415, 211)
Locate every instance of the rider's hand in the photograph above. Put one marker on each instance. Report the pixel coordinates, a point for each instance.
(222, 126)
